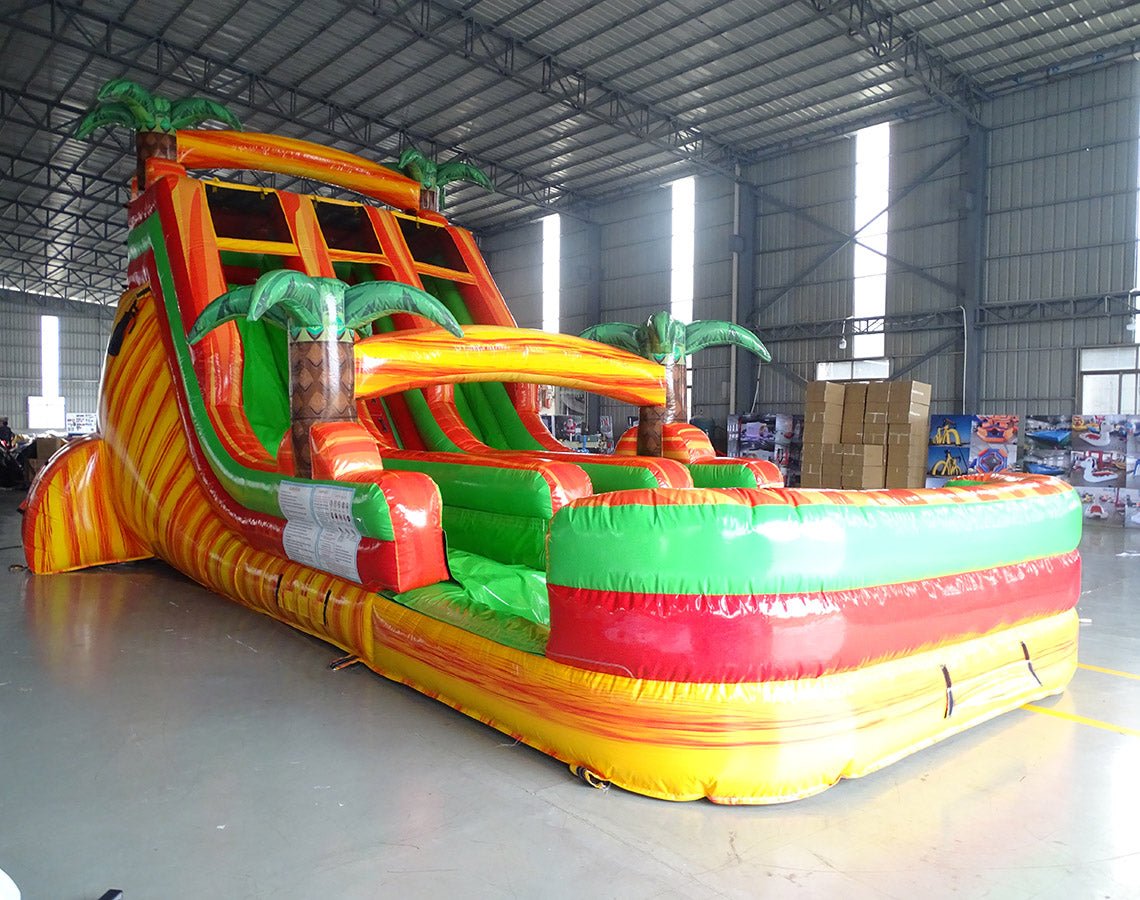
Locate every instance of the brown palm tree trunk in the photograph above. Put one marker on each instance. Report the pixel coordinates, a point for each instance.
(676, 407)
(149, 144)
(651, 420)
(322, 388)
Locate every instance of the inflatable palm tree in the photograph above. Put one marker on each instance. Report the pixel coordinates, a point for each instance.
(155, 120)
(669, 341)
(320, 316)
(434, 178)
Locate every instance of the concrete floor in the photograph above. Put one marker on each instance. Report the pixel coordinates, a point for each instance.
(159, 739)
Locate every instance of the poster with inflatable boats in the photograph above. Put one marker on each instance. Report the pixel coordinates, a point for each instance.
(322, 409)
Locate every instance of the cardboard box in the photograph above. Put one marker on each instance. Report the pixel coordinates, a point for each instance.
(865, 454)
(906, 457)
(830, 415)
(909, 393)
(812, 452)
(875, 434)
(864, 480)
(46, 446)
(909, 402)
(811, 480)
(908, 433)
(822, 434)
(878, 393)
(902, 478)
(823, 393)
(854, 400)
(874, 479)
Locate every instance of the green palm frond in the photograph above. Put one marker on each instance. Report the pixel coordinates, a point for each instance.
(365, 303)
(617, 334)
(195, 110)
(103, 115)
(415, 165)
(229, 306)
(461, 171)
(662, 337)
(137, 98)
(313, 303)
(712, 333)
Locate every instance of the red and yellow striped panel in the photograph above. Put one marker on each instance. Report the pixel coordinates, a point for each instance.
(218, 358)
(70, 521)
(680, 441)
(343, 451)
(398, 361)
(756, 743)
(302, 159)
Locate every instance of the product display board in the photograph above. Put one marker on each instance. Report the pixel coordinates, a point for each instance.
(1047, 440)
(1098, 454)
(971, 445)
(993, 443)
(776, 437)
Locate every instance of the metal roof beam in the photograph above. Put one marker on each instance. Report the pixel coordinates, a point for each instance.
(103, 37)
(463, 35)
(905, 50)
(36, 298)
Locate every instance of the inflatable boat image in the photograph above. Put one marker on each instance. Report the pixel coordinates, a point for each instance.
(323, 409)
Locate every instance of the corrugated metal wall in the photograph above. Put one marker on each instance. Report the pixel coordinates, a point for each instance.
(83, 333)
(802, 272)
(1059, 222)
(515, 259)
(712, 293)
(624, 258)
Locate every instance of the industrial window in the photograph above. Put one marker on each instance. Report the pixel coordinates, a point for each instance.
(683, 268)
(1110, 380)
(551, 273)
(49, 356)
(854, 370)
(47, 410)
(684, 251)
(872, 197)
(1134, 325)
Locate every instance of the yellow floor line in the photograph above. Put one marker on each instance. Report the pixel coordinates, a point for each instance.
(1081, 720)
(1108, 671)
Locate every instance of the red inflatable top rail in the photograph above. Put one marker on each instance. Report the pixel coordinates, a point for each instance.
(302, 159)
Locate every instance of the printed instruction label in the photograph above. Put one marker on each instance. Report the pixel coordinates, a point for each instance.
(319, 528)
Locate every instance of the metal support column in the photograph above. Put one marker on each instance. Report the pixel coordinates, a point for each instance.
(593, 241)
(745, 365)
(971, 271)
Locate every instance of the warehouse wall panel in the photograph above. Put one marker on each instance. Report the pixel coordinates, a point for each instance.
(1059, 222)
(515, 259)
(84, 330)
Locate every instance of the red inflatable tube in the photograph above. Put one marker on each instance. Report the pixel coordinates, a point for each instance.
(754, 638)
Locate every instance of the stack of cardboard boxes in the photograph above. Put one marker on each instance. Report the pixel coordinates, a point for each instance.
(823, 426)
(865, 436)
(908, 434)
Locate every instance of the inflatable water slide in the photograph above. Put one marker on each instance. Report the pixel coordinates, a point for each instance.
(323, 409)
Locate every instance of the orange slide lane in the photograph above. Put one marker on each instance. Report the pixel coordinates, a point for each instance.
(401, 360)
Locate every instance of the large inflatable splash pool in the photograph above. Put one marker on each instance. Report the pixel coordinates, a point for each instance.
(682, 627)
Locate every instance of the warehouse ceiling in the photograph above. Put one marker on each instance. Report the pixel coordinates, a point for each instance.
(561, 102)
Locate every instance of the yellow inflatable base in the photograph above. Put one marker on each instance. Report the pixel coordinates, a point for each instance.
(739, 744)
